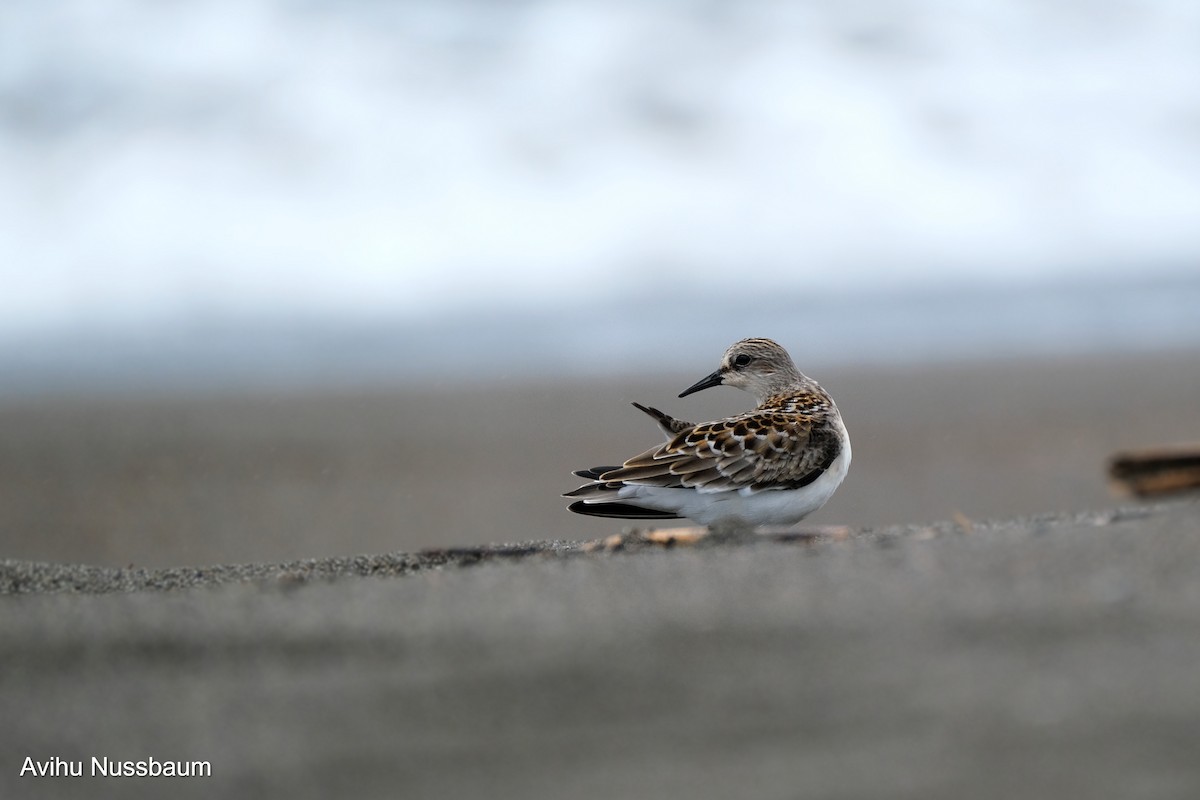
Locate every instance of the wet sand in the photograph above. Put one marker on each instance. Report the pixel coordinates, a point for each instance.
(267, 477)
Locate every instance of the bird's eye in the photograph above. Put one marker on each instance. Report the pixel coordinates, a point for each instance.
(742, 360)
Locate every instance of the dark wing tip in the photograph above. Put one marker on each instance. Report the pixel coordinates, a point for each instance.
(619, 510)
(594, 473)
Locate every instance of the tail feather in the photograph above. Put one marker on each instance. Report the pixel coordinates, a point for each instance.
(594, 491)
(594, 473)
(594, 502)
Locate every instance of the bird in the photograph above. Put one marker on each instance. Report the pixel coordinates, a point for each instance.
(772, 465)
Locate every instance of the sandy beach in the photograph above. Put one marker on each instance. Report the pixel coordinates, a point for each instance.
(310, 311)
(308, 592)
(268, 477)
(1042, 657)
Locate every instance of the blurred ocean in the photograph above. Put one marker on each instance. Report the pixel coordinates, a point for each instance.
(295, 191)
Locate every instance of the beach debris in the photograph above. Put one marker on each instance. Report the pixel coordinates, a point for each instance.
(638, 538)
(1157, 472)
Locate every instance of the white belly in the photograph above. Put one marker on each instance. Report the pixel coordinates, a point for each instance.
(771, 507)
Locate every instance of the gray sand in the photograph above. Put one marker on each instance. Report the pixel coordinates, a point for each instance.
(1047, 657)
(263, 478)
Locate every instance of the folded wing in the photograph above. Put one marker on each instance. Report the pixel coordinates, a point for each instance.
(759, 451)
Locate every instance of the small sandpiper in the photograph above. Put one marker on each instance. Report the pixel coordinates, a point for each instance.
(773, 465)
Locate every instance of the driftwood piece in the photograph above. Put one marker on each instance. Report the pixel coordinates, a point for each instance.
(1158, 471)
